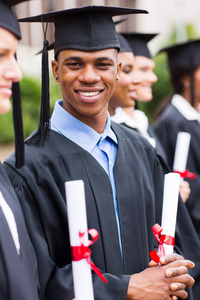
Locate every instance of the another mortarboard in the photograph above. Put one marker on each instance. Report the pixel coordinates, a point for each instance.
(8, 18)
(138, 43)
(87, 28)
(185, 59)
(9, 22)
(181, 55)
(124, 44)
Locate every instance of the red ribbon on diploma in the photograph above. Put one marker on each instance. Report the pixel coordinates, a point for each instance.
(83, 251)
(186, 174)
(163, 239)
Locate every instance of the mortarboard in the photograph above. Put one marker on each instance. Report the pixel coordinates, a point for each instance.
(185, 57)
(9, 22)
(181, 54)
(51, 46)
(138, 43)
(87, 28)
(8, 18)
(124, 44)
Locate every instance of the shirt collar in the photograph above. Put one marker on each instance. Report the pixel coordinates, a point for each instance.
(185, 108)
(77, 131)
(139, 120)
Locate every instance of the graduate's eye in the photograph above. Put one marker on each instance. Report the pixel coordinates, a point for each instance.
(74, 65)
(103, 66)
(127, 70)
(2, 54)
(144, 69)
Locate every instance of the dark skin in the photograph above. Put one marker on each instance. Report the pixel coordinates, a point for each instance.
(82, 73)
(87, 81)
(166, 280)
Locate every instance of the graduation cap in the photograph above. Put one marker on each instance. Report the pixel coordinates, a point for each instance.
(183, 58)
(86, 28)
(138, 43)
(124, 44)
(9, 22)
(8, 18)
(51, 46)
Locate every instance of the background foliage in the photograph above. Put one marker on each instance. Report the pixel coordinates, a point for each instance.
(30, 96)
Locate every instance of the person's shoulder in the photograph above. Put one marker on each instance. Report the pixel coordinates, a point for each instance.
(170, 115)
(126, 133)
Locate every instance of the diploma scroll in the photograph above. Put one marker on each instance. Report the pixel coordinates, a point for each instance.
(181, 151)
(170, 205)
(76, 209)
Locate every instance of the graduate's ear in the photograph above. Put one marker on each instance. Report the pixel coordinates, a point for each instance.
(186, 81)
(54, 65)
(119, 68)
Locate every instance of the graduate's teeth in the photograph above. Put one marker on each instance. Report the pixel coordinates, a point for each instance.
(88, 94)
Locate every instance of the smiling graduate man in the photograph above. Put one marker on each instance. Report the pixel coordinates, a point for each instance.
(122, 174)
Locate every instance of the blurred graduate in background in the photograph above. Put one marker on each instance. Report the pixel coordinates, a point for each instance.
(183, 114)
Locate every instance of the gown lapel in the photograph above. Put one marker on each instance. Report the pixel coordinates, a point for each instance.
(103, 198)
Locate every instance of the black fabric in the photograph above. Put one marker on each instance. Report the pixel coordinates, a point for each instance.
(18, 125)
(183, 59)
(18, 274)
(51, 46)
(15, 2)
(182, 54)
(167, 128)
(138, 43)
(8, 19)
(139, 180)
(159, 148)
(124, 45)
(42, 131)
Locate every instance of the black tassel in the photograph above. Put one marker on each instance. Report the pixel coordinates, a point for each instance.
(41, 134)
(18, 125)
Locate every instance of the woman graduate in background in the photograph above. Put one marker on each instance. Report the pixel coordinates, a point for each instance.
(18, 269)
(183, 114)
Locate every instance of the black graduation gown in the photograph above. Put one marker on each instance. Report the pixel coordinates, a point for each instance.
(167, 127)
(159, 148)
(18, 273)
(139, 181)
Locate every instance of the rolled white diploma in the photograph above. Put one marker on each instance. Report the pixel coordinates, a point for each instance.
(77, 219)
(181, 151)
(170, 205)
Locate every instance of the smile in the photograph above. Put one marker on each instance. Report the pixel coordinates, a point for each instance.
(88, 94)
(6, 91)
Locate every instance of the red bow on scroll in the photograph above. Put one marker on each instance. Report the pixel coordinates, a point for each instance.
(163, 239)
(83, 251)
(186, 174)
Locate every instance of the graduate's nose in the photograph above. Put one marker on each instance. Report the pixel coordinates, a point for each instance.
(154, 78)
(89, 75)
(136, 78)
(12, 71)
